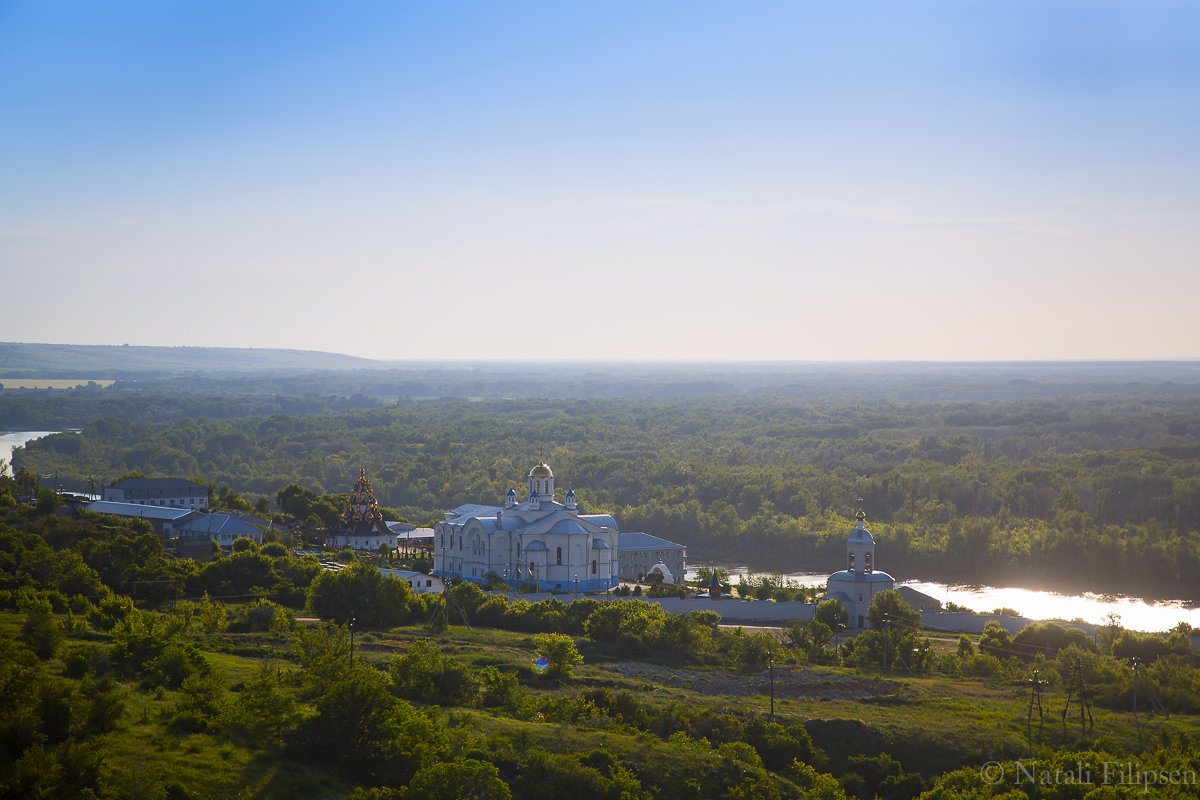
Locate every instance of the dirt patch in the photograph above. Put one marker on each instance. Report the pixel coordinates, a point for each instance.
(788, 682)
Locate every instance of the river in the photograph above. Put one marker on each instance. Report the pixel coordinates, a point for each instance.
(10, 440)
(1136, 614)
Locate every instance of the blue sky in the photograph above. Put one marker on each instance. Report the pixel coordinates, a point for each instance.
(642, 180)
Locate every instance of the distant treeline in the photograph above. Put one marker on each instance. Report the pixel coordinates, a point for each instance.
(239, 391)
(1098, 493)
(34, 410)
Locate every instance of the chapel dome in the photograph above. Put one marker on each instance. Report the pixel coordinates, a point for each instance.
(541, 471)
(860, 535)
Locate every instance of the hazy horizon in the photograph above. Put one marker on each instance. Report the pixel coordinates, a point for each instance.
(697, 182)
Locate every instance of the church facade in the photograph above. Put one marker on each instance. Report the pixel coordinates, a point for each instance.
(361, 526)
(537, 541)
(854, 586)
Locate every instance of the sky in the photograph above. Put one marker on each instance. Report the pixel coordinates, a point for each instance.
(743, 180)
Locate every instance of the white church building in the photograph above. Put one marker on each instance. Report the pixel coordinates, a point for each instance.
(537, 541)
(854, 586)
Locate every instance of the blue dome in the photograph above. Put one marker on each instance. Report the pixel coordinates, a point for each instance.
(568, 526)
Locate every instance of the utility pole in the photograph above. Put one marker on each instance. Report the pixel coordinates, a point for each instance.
(1035, 698)
(1139, 681)
(350, 625)
(771, 673)
(1077, 685)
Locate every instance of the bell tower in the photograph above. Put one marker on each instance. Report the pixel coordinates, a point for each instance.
(541, 482)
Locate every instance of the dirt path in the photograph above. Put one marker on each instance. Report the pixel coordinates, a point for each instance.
(789, 682)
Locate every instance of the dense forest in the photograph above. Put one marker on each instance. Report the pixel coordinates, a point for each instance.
(1087, 480)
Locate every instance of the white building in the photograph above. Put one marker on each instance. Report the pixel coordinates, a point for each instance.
(419, 582)
(538, 541)
(639, 554)
(171, 492)
(854, 586)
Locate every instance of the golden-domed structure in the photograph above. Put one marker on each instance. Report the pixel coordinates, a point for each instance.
(362, 526)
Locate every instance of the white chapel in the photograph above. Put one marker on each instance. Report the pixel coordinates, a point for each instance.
(854, 586)
(537, 541)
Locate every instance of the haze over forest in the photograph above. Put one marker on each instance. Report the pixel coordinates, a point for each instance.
(996, 473)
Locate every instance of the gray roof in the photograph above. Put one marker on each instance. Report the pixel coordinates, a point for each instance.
(518, 518)
(862, 577)
(644, 541)
(409, 532)
(215, 523)
(155, 483)
(164, 513)
(402, 574)
(567, 526)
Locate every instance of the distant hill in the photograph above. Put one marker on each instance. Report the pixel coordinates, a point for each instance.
(19, 359)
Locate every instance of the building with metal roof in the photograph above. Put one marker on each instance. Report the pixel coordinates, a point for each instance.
(854, 586)
(163, 518)
(419, 582)
(171, 492)
(197, 534)
(640, 554)
(539, 541)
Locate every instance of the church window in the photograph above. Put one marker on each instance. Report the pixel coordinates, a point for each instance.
(867, 562)
(851, 567)
(593, 566)
(558, 555)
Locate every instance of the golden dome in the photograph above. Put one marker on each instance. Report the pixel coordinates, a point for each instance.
(541, 471)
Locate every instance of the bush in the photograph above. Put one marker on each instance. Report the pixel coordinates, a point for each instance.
(560, 653)
(427, 675)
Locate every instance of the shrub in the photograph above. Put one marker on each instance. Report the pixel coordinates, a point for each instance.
(560, 653)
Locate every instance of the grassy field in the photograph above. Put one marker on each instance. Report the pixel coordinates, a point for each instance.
(929, 724)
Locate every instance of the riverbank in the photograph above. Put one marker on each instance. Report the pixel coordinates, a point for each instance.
(1137, 613)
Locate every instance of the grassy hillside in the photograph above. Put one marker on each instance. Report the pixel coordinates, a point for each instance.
(19, 359)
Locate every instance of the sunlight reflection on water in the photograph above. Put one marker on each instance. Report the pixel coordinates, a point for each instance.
(1135, 613)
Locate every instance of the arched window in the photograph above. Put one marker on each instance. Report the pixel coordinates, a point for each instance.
(851, 567)
(867, 562)
(558, 555)
(593, 566)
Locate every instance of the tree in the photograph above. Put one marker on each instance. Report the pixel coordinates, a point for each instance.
(364, 592)
(889, 612)
(40, 630)
(463, 777)
(367, 733)
(244, 544)
(965, 648)
(48, 501)
(263, 708)
(994, 640)
(832, 613)
(560, 653)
